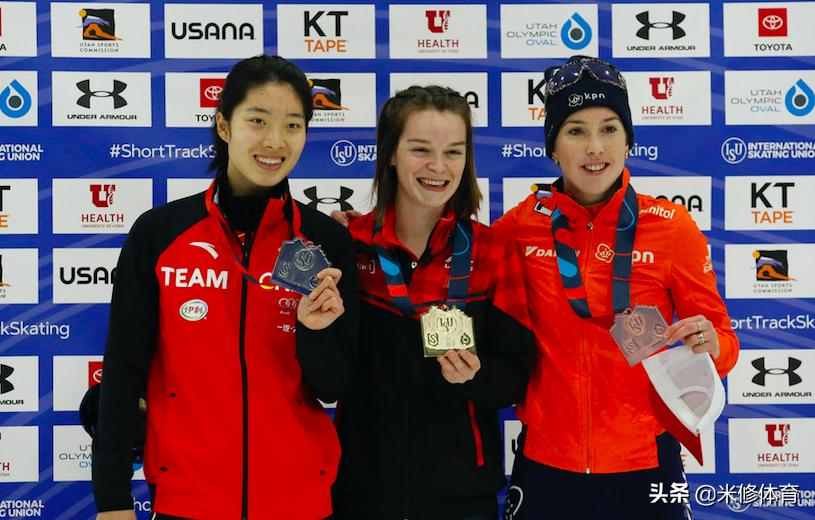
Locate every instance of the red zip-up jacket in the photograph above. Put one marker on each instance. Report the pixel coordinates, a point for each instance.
(586, 410)
(234, 427)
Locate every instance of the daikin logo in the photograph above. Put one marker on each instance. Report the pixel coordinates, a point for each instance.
(800, 99)
(576, 33)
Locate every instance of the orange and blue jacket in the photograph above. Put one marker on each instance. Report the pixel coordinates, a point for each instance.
(586, 410)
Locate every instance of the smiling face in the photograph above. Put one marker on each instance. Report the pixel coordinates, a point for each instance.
(591, 147)
(265, 138)
(429, 160)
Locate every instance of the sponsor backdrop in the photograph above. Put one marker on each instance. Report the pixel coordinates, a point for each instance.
(105, 109)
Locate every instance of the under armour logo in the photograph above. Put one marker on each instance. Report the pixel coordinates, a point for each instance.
(792, 365)
(645, 19)
(5, 372)
(342, 200)
(85, 87)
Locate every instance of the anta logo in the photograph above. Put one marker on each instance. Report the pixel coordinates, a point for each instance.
(209, 248)
(662, 88)
(645, 19)
(606, 254)
(94, 373)
(342, 200)
(210, 91)
(778, 434)
(792, 365)
(5, 373)
(438, 21)
(102, 195)
(184, 278)
(86, 275)
(98, 24)
(84, 100)
(326, 94)
(772, 22)
(212, 31)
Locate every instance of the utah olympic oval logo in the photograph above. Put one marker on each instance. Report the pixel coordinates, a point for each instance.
(194, 310)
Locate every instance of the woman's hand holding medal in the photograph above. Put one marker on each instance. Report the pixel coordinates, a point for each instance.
(324, 304)
(458, 367)
(696, 332)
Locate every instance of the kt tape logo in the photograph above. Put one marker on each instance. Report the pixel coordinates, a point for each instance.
(576, 33)
(15, 101)
(800, 99)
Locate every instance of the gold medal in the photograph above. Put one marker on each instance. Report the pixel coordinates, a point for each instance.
(446, 329)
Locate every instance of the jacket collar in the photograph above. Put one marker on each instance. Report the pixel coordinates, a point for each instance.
(439, 238)
(577, 213)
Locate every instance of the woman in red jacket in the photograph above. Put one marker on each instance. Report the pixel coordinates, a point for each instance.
(420, 436)
(232, 363)
(591, 446)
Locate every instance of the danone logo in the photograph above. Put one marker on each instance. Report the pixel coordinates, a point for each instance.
(194, 310)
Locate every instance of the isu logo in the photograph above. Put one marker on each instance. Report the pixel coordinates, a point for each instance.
(662, 88)
(772, 22)
(102, 195)
(210, 90)
(438, 21)
(778, 434)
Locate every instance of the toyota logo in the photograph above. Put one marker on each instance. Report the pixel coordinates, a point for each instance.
(772, 22)
(288, 303)
(213, 93)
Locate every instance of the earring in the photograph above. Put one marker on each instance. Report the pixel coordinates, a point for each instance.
(556, 161)
(626, 155)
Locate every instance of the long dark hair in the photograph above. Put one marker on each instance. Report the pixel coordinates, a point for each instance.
(251, 73)
(392, 118)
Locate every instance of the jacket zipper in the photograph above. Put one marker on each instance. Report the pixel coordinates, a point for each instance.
(244, 385)
(587, 371)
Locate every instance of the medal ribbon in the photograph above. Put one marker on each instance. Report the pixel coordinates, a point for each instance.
(623, 255)
(459, 281)
(214, 210)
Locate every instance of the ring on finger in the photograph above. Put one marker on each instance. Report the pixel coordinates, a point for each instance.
(701, 338)
(699, 325)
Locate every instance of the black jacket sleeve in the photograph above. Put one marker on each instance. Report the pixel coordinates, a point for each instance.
(507, 345)
(329, 357)
(131, 340)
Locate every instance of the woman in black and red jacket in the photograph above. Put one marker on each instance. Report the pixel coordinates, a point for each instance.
(232, 364)
(420, 435)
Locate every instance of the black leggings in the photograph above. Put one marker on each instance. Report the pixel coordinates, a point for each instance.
(540, 492)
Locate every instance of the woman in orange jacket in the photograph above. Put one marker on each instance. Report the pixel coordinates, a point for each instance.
(591, 446)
